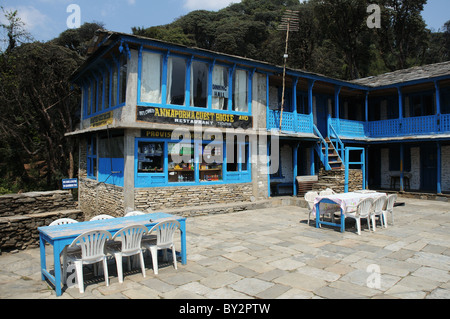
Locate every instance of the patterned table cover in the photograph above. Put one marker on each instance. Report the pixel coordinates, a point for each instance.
(346, 202)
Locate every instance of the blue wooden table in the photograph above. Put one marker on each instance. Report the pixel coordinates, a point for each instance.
(63, 235)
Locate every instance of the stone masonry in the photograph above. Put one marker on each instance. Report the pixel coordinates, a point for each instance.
(177, 197)
(22, 214)
(335, 179)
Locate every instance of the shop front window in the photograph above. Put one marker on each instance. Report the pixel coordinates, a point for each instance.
(211, 165)
(181, 163)
(150, 157)
(237, 158)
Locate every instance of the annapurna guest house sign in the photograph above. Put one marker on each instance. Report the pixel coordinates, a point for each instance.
(186, 117)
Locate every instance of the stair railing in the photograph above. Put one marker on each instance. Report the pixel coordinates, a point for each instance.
(319, 149)
(337, 142)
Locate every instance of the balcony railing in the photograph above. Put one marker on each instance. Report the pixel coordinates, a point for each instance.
(292, 122)
(423, 125)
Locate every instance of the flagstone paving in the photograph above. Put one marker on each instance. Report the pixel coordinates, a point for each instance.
(273, 253)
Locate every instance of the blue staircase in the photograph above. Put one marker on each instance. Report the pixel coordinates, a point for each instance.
(330, 150)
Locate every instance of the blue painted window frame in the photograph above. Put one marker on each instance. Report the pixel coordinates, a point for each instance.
(91, 160)
(187, 106)
(97, 103)
(149, 180)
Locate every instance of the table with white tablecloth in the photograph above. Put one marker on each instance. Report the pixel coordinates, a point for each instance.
(345, 202)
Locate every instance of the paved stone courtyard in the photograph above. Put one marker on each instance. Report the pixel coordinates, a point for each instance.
(273, 253)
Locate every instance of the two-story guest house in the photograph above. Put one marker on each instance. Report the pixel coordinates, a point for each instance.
(165, 125)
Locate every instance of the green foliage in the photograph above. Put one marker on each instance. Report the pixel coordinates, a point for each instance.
(333, 38)
(39, 106)
(78, 40)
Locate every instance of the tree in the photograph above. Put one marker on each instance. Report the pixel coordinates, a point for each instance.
(402, 38)
(79, 39)
(344, 23)
(38, 108)
(15, 30)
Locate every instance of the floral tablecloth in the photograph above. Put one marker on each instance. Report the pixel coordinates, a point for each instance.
(347, 202)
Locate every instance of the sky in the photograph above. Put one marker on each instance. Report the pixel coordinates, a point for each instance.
(46, 19)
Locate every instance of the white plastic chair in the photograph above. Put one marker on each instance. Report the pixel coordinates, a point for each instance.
(363, 210)
(165, 231)
(63, 221)
(66, 250)
(101, 217)
(377, 211)
(389, 207)
(309, 198)
(128, 243)
(92, 246)
(134, 213)
(327, 192)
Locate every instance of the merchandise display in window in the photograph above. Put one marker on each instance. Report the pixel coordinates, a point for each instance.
(181, 163)
(211, 167)
(151, 157)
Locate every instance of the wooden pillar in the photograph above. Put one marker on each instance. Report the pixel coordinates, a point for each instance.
(438, 98)
(402, 153)
(400, 103)
(310, 99)
(367, 107)
(295, 160)
(439, 169)
(337, 91)
(294, 103)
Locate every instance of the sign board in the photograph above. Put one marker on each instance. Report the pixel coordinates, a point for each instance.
(220, 91)
(187, 117)
(102, 119)
(70, 183)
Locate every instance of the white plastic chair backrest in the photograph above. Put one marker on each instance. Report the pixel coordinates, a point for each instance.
(378, 204)
(92, 244)
(165, 231)
(101, 217)
(310, 197)
(326, 192)
(363, 208)
(389, 205)
(331, 191)
(134, 213)
(131, 237)
(63, 221)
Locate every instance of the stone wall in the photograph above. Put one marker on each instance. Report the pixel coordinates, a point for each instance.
(177, 197)
(100, 198)
(335, 179)
(21, 232)
(22, 214)
(36, 202)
